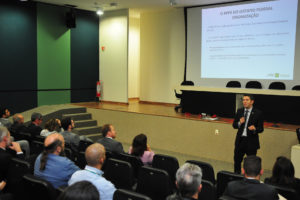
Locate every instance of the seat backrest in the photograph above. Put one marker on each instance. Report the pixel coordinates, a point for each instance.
(135, 162)
(235, 84)
(224, 197)
(69, 153)
(208, 191)
(36, 147)
(277, 86)
(120, 173)
(288, 193)
(22, 136)
(39, 138)
(223, 178)
(168, 163)
(83, 144)
(207, 170)
(296, 87)
(80, 159)
(154, 183)
(37, 188)
(253, 84)
(122, 194)
(17, 169)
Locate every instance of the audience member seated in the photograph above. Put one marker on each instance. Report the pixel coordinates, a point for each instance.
(108, 140)
(51, 126)
(95, 157)
(188, 182)
(283, 174)
(51, 165)
(250, 187)
(141, 149)
(8, 149)
(34, 127)
(5, 114)
(71, 138)
(83, 190)
(18, 125)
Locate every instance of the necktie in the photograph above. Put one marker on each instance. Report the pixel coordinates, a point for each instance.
(246, 114)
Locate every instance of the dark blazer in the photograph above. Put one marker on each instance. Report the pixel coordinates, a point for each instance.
(255, 119)
(111, 145)
(34, 130)
(250, 189)
(5, 159)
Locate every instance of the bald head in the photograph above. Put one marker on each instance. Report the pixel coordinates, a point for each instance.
(52, 138)
(95, 154)
(18, 118)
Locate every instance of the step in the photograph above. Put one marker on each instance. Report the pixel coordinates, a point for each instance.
(73, 110)
(88, 130)
(85, 123)
(78, 116)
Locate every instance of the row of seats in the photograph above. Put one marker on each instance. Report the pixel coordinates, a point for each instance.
(257, 85)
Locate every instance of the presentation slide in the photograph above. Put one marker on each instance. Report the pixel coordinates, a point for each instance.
(249, 41)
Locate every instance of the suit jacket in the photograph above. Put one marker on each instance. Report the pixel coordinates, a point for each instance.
(5, 159)
(34, 130)
(255, 118)
(250, 189)
(111, 145)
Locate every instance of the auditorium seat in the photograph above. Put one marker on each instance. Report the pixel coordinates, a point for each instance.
(223, 178)
(120, 173)
(277, 86)
(36, 147)
(288, 193)
(154, 183)
(168, 163)
(296, 87)
(80, 160)
(37, 188)
(253, 84)
(122, 194)
(207, 170)
(83, 145)
(208, 191)
(228, 198)
(233, 84)
(135, 162)
(17, 169)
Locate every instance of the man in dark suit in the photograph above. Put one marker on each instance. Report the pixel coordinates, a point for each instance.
(8, 149)
(249, 122)
(250, 187)
(34, 128)
(108, 140)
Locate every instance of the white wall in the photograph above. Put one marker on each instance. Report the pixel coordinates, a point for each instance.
(134, 55)
(114, 59)
(162, 54)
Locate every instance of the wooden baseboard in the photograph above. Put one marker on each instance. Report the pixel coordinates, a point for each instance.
(159, 103)
(134, 99)
(114, 102)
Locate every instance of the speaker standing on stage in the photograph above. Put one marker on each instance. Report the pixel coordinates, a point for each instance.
(249, 122)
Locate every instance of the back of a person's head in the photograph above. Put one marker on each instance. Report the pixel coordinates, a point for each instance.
(105, 129)
(35, 116)
(283, 171)
(252, 165)
(2, 111)
(94, 153)
(51, 125)
(188, 179)
(17, 118)
(139, 144)
(66, 122)
(83, 190)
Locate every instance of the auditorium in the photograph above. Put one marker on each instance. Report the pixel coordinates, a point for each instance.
(84, 83)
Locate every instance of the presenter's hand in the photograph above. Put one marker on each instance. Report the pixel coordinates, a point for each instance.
(242, 120)
(252, 128)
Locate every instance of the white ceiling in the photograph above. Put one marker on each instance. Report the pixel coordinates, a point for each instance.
(92, 5)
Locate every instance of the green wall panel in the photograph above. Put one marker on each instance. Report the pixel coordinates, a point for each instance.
(53, 54)
(53, 97)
